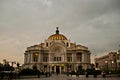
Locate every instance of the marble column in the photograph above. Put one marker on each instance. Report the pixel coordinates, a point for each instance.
(31, 55)
(25, 58)
(65, 57)
(74, 57)
(54, 68)
(49, 57)
(83, 57)
(39, 58)
(60, 69)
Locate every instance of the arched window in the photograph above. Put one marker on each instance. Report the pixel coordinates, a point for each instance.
(46, 44)
(69, 57)
(45, 57)
(67, 44)
(79, 57)
(35, 57)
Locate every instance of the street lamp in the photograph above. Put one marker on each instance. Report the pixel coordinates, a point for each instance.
(112, 64)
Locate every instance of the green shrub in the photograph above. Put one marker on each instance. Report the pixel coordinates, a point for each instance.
(73, 73)
(29, 72)
(80, 72)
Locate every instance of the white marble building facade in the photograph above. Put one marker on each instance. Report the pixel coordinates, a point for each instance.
(57, 53)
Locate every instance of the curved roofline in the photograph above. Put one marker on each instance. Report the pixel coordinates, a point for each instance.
(57, 36)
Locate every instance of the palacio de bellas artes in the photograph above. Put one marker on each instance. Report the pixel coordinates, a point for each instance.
(57, 53)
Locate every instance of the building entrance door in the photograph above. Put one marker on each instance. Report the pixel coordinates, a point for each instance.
(57, 69)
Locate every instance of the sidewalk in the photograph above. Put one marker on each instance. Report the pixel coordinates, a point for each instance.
(99, 76)
(64, 75)
(114, 75)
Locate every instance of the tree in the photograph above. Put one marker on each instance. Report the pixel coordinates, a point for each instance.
(80, 70)
(7, 67)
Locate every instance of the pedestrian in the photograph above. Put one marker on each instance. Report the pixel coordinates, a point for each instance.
(95, 73)
(86, 74)
(103, 74)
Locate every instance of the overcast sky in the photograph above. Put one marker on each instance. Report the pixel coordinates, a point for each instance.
(92, 23)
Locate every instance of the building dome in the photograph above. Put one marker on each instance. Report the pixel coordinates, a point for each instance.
(57, 36)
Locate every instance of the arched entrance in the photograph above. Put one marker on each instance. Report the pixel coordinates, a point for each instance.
(57, 69)
(57, 52)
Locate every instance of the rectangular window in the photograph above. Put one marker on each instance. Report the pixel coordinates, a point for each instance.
(60, 58)
(45, 59)
(54, 58)
(79, 57)
(69, 57)
(57, 58)
(35, 59)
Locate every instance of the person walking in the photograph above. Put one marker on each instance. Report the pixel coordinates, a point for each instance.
(86, 74)
(103, 74)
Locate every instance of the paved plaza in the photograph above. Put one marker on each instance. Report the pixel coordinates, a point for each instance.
(64, 77)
